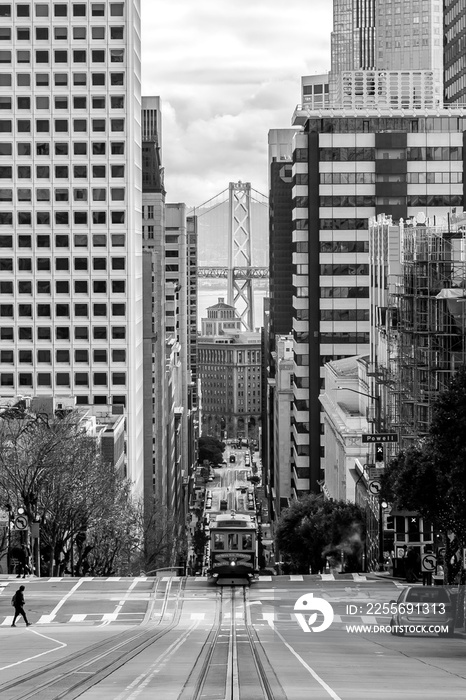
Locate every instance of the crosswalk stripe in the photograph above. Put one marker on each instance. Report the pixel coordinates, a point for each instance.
(109, 617)
(45, 619)
(265, 578)
(328, 577)
(296, 577)
(8, 620)
(78, 617)
(172, 578)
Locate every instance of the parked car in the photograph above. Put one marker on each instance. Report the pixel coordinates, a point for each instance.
(422, 605)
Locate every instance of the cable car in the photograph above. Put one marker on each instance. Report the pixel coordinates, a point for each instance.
(233, 549)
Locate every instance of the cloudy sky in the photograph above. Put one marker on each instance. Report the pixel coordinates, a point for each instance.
(227, 72)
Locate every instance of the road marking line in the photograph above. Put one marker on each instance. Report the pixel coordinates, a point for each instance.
(61, 645)
(328, 577)
(313, 673)
(45, 619)
(172, 578)
(111, 617)
(78, 617)
(68, 595)
(296, 577)
(8, 620)
(144, 678)
(265, 578)
(197, 616)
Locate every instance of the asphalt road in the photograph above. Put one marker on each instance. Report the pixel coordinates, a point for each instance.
(140, 638)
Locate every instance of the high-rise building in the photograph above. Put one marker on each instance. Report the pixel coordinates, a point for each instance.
(70, 209)
(229, 362)
(348, 167)
(353, 35)
(155, 381)
(454, 51)
(386, 54)
(280, 230)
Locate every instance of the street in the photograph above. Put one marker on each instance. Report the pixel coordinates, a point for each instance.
(128, 638)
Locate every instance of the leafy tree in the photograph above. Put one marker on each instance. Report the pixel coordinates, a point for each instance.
(430, 478)
(313, 528)
(211, 449)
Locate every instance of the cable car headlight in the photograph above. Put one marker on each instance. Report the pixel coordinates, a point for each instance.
(232, 563)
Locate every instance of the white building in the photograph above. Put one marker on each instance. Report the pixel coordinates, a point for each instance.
(70, 208)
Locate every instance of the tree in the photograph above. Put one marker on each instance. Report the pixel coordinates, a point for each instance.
(314, 528)
(53, 468)
(211, 449)
(430, 478)
(163, 542)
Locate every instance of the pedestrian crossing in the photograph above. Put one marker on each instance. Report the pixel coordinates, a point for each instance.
(132, 618)
(303, 578)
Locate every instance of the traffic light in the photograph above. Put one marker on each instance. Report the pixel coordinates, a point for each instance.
(378, 452)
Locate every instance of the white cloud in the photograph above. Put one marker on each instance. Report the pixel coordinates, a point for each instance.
(227, 73)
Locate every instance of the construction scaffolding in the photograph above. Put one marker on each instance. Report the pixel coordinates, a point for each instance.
(426, 324)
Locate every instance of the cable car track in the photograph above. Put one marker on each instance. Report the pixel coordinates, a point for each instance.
(232, 663)
(59, 680)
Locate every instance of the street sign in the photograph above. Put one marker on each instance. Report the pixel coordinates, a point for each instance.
(374, 487)
(375, 472)
(428, 562)
(380, 437)
(400, 552)
(21, 522)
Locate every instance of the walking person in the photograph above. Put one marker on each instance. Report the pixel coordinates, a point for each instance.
(18, 603)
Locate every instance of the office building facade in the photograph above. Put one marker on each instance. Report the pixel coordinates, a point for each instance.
(229, 365)
(348, 167)
(386, 54)
(70, 212)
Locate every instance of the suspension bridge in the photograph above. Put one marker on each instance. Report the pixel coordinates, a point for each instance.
(240, 207)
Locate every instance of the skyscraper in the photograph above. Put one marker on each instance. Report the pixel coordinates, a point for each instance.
(386, 54)
(347, 167)
(454, 51)
(70, 208)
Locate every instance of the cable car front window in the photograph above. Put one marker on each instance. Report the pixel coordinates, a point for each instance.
(247, 541)
(219, 542)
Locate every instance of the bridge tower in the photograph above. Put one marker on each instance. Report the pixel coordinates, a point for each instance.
(239, 290)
